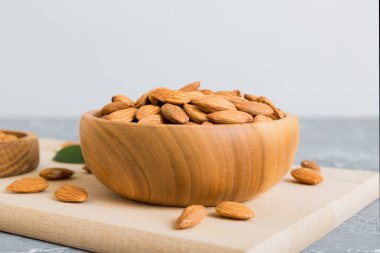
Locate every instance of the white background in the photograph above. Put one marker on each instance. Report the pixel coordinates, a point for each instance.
(313, 58)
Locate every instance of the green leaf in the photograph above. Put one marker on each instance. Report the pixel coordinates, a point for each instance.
(70, 154)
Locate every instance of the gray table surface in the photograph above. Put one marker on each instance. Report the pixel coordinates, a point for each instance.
(346, 143)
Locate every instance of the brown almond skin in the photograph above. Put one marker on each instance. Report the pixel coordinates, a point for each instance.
(261, 118)
(255, 108)
(207, 92)
(153, 119)
(212, 103)
(191, 216)
(56, 173)
(122, 98)
(277, 112)
(310, 165)
(229, 117)
(28, 185)
(165, 95)
(191, 86)
(236, 100)
(207, 123)
(194, 113)
(307, 176)
(112, 107)
(141, 101)
(87, 169)
(147, 110)
(125, 115)
(71, 193)
(234, 210)
(250, 97)
(174, 114)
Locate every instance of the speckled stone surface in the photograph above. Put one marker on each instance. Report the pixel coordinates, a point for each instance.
(346, 143)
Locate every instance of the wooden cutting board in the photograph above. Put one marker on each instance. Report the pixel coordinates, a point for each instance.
(289, 217)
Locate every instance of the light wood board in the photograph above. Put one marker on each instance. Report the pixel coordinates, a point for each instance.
(289, 217)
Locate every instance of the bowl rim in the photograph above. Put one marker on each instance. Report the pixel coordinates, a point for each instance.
(25, 135)
(91, 115)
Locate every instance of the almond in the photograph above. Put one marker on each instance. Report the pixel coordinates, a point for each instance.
(207, 92)
(229, 93)
(234, 210)
(56, 173)
(68, 144)
(277, 112)
(71, 193)
(122, 98)
(255, 108)
(207, 123)
(191, 86)
(143, 100)
(87, 169)
(191, 216)
(191, 123)
(112, 107)
(250, 97)
(229, 117)
(125, 115)
(194, 113)
(212, 103)
(235, 99)
(261, 118)
(307, 176)
(310, 165)
(174, 114)
(153, 119)
(169, 96)
(28, 185)
(147, 110)
(193, 94)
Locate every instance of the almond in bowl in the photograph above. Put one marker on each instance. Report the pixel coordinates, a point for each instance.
(200, 148)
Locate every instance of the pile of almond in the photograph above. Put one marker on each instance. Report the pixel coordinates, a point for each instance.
(7, 137)
(191, 106)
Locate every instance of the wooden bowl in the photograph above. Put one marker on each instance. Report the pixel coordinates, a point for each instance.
(179, 165)
(18, 156)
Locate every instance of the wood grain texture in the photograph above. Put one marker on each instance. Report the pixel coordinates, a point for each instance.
(18, 156)
(289, 218)
(183, 165)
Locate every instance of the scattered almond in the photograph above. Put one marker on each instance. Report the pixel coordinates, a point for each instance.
(56, 173)
(191, 86)
(212, 103)
(194, 113)
(307, 176)
(234, 210)
(71, 193)
(191, 216)
(229, 117)
(87, 169)
(28, 185)
(147, 110)
(125, 115)
(174, 114)
(310, 165)
(112, 107)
